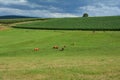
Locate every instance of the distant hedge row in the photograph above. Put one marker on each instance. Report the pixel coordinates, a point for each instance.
(84, 29)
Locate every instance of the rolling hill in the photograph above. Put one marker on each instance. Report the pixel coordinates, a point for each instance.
(87, 55)
(90, 23)
(14, 17)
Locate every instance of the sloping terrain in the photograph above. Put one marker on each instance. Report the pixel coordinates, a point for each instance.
(87, 55)
(90, 23)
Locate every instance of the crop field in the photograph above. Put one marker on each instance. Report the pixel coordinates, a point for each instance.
(11, 21)
(90, 23)
(87, 55)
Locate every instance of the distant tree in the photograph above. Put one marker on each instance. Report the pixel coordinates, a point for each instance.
(85, 15)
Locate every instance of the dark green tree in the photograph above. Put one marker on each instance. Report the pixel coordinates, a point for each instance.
(85, 15)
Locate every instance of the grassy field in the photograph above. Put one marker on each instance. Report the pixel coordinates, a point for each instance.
(87, 56)
(90, 23)
(11, 21)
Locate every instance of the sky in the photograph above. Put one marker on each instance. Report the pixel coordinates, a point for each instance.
(59, 8)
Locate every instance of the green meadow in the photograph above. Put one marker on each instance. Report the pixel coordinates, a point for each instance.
(87, 55)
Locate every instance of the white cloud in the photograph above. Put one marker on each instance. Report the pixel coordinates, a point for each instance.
(6, 2)
(100, 10)
(35, 13)
(62, 15)
(52, 8)
(50, 0)
(94, 8)
(20, 2)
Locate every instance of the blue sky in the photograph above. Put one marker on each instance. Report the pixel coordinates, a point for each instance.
(59, 8)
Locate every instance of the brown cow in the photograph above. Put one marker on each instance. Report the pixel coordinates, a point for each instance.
(55, 47)
(36, 49)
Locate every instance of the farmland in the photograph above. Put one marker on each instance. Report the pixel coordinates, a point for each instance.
(90, 23)
(88, 55)
(11, 21)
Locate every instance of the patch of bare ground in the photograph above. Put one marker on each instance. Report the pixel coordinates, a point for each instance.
(14, 76)
(2, 27)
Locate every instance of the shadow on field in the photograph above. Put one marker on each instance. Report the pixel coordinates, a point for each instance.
(88, 29)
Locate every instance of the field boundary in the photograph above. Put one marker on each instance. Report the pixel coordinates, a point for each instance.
(66, 29)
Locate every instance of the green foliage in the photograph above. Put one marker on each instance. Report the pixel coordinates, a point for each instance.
(90, 23)
(85, 15)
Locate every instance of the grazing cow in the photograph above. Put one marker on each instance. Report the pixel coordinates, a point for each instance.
(55, 47)
(62, 49)
(36, 49)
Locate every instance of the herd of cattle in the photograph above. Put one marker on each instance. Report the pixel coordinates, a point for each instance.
(54, 47)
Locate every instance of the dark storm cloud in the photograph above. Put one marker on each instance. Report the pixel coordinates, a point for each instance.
(60, 8)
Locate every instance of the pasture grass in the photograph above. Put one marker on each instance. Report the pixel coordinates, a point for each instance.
(87, 56)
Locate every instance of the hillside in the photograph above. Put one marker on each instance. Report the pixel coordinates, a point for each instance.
(19, 20)
(90, 23)
(14, 17)
(87, 56)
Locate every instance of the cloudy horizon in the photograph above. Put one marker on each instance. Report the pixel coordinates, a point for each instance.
(59, 8)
